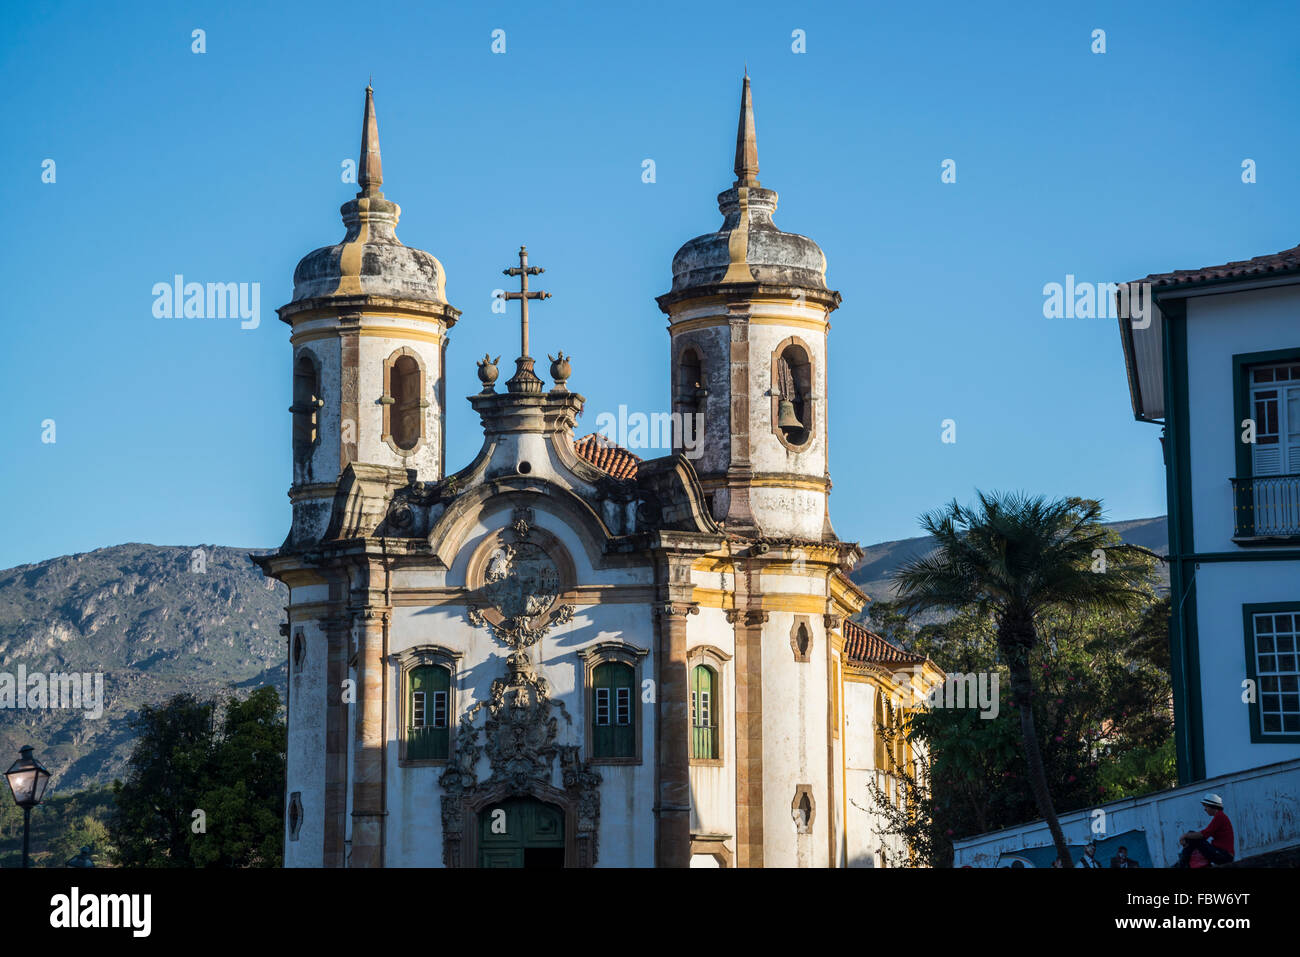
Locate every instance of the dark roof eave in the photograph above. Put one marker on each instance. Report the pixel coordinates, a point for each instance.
(360, 302)
(747, 290)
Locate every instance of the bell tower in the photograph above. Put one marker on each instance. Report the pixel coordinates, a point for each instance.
(748, 318)
(369, 319)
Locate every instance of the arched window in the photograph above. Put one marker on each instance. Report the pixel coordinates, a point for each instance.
(792, 391)
(689, 400)
(707, 669)
(882, 750)
(704, 713)
(305, 408)
(691, 390)
(900, 742)
(428, 713)
(613, 716)
(426, 683)
(611, 675)
(404, 401)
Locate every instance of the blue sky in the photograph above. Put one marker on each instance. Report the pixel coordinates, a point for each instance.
(225, 166)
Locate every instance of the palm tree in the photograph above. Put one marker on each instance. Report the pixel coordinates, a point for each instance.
(1015, 557)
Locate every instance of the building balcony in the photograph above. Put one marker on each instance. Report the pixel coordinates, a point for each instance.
(427, 743)
(1266, 510)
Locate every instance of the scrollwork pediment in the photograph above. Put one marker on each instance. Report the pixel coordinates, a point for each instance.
(521, 733)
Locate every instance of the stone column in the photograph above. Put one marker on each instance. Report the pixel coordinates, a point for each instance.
(672, 735)
(368, 758)
(739, 470)
(831, 624)
(338, 631)
(749, 735)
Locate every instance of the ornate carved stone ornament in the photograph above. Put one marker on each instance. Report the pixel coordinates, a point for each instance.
(521, 731)
(414, 508)
(522, 524)
(517, 576)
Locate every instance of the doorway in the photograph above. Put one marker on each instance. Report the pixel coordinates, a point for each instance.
(521, 832)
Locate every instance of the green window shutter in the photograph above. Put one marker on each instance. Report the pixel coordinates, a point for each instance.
(613, 711)
(428, 732)
(704, 718)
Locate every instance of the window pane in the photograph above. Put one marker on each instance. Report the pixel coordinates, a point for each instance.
(417, 709)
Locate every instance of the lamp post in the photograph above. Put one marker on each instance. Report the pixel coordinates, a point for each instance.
(27, 779)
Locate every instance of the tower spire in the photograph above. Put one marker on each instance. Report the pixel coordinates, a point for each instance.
(370, 170)
(746, 140)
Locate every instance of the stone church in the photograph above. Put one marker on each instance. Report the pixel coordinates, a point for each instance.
(562, 654)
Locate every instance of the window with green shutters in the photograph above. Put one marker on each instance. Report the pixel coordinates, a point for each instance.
(427, 732)
(704, 716)
(613, 723)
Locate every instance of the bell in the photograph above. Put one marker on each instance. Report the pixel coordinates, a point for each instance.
(786, 418)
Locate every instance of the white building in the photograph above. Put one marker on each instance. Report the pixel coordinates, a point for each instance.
(1218, 366)
(561, 654)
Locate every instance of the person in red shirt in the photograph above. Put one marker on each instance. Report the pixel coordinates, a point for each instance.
(1215, 843)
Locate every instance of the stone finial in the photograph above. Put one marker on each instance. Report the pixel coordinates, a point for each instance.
(370, 169)
(487, 371)
(561, 368)
(746, 140)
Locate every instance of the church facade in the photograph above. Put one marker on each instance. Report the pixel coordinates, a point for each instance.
(561, 654)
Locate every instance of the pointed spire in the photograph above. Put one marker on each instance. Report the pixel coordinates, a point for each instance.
(370, 171)
(746, 140)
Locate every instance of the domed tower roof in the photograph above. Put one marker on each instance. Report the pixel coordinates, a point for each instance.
(747, 248)
(370, 259)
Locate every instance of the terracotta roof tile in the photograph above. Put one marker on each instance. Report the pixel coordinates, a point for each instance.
(1286, 261)
(866, 646)
(607, 456)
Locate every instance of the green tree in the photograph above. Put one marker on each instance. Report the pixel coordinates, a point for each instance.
(1103, 717)
(87, 831)
(183, 763)
(1016, 560)
(245, 803)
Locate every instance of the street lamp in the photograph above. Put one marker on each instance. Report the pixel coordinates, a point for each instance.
(27, 779)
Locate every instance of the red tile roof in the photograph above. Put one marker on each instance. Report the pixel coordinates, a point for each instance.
(607, 456)
(1286, 261)
(866, 646)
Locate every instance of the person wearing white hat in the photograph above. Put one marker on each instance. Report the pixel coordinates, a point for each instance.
(1215, 843)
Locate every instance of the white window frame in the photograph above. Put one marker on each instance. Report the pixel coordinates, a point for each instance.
(1277, 657)
(1288, 431)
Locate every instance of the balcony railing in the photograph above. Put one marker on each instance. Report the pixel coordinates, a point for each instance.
(426, 743)
(1266, 506)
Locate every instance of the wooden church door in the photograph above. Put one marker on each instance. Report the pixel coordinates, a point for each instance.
(521, 832)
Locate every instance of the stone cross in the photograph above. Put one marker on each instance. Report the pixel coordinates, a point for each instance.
(523, 271)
